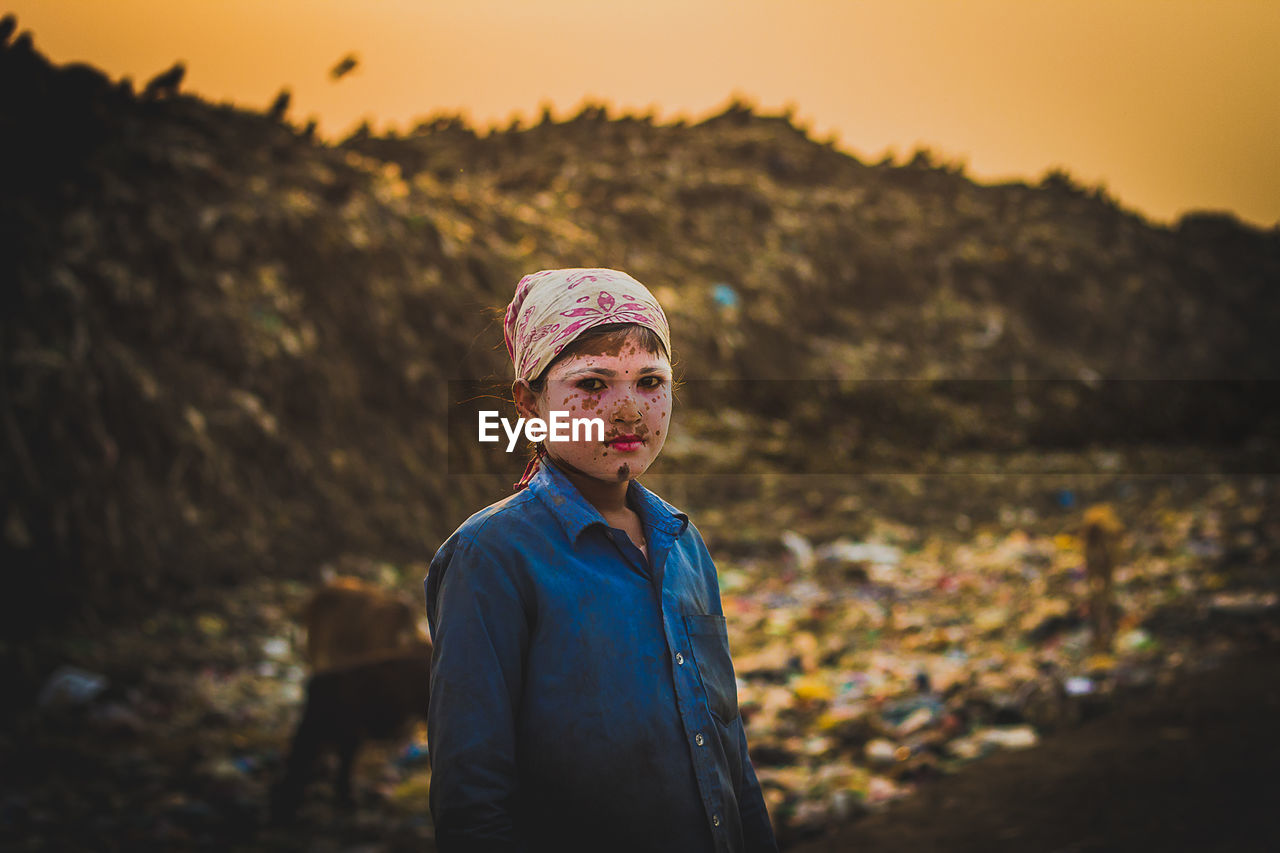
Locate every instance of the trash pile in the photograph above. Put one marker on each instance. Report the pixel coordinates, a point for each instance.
(228, 343)
(903, 672)
(173, 733)
(868, 667)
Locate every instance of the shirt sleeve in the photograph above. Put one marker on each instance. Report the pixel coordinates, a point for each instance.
(480, 633)
(757, 831)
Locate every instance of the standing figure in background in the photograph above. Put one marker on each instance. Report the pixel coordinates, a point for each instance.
(1101, 531)
(370, 676)
(348, 619)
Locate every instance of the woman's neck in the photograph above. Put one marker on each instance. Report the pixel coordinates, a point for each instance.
(609, 499)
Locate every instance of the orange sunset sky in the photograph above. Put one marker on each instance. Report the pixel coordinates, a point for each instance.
(1172, 104)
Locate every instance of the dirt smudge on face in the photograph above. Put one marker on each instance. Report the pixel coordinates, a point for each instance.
(623, 470)
(613, 344)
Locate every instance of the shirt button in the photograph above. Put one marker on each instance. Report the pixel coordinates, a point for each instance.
(679, 659)
(698, 739)
(715, 820)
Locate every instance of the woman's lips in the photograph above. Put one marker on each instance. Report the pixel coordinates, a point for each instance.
(626, 443)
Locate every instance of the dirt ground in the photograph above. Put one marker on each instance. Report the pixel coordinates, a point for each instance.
(1187, 766)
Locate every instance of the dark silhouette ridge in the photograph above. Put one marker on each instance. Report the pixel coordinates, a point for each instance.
(280, 105)
(166, 83)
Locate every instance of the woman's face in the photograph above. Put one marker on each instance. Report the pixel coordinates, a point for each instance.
(629, 389)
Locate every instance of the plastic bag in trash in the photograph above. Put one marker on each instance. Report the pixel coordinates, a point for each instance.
(70, 685)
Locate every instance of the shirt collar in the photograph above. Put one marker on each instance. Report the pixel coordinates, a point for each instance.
(576, 514)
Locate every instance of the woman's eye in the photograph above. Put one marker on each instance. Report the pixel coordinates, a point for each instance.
(591, 384)
(652, 382)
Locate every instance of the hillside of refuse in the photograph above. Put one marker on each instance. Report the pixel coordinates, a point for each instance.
(227, 344)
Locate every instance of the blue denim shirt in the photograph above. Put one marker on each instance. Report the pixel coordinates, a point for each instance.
(582, 696)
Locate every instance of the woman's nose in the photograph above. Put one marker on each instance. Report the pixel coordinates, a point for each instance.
(626, 410)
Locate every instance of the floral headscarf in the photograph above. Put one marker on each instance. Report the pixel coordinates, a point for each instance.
(552, 307)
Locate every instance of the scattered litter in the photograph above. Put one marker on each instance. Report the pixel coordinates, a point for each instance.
(799, 549)
(843, 550)
(1078, 685)
(724, 295)
(276, 648)
(70, 685)
(1016, 737)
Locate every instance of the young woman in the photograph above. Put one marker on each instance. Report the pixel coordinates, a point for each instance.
(582, 694)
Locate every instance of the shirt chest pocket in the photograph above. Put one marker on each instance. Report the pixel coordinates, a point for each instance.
(709, 640)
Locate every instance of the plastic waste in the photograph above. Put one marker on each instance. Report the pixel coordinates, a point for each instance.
(70, 685)
(211, 625)
(881, 751)
(1011, 737)
(413, 755)
(1078, 685)
(276, 648)
(116, 718)
(724, 295)
(246, 764)
(843, 550)
(1134, 640)
(799, 548)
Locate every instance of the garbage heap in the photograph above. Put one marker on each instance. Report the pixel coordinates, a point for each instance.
(227, 344)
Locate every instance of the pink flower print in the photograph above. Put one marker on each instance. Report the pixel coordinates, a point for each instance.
(580, 278)
(514, 329)
(540, 333)
(532, 336)
(605, 303)
(606, 310)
